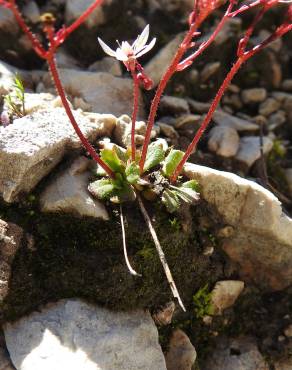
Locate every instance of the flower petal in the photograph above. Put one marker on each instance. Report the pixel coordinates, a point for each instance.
(146, 48)
(106, 48)
(141, 40)
(120, 55)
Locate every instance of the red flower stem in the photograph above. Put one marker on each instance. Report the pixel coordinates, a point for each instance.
(68, 30)
(37, 46)
(208, 117)
(207, 43)
(85, 142)
(134, 114)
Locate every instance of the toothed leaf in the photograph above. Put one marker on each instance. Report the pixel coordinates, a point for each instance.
(110, 157)
(155, 155)
(102, 189)
(132, 173)
(170, 200)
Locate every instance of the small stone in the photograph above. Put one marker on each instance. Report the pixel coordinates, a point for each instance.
(226, 232)
(254, 95)
(233, 88)
(224, 119)
(288, 331)
(249, 149)
(171, 105)
(207, 320)
(107, 64)
(188, 122)
(123, 131)
(75, 335)
(193, 76)
(7, 21)
(233, 100)
(168, 130)
(269, 106)
(181, 354)
(224, 294)
(224, 141)
(163, 316)
(31, 11)
(209, 70)
(288, 175)
(197, 106)
(67, 193)
(276, 120)
(287, 85)
(65, 60)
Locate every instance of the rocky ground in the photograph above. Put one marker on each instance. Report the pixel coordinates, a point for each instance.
(233, 260)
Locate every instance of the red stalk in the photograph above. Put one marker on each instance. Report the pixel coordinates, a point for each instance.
(134, 114)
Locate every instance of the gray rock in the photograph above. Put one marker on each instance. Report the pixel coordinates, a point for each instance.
(74, 8)
(33, 145)
(158, 64)
(197, 106)
(276, 120)
(72, 334)
(254, 95)
(261, 243)
(209, 70)
(65, 60)
(171, 105)
(99, 90)
(107, 64)
(188, 122)
(224, 141)
(168, 130)
(236, 354)
(7, 21)
(269, 106)
(31, 11)
(67, 193)
(123, 129)
(224, 294)
(287, 85)
(249, 149)
(181, 354)
(288, 175)
(224, 119)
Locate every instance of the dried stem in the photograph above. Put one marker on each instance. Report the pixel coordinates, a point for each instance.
(132, 271)
(160, 253)
(134, 114)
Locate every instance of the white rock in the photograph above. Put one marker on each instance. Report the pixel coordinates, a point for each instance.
(104, 92)
(123, 129)
(224, 294)
(158, 64)
(7, 21)
(67, 193)
(33, 145)
(224, 119)
(74, 335)
(249, 149)
(181, 354)
(224, 141)
(261, 243)
(42, 101)
(74, 8)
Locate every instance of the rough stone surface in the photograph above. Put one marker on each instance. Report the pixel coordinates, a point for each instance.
(173, 105)
(181, 354)
(236, 354)
(122, 132)
(107, 64)
(225, 293)
(74, 8)
(33, 145)
(224, 141)
(99, 89)
(68, 193)
(157, 65)
(74, 335)
(269, 106)
(249, 149)
(262, 239)
(254, 95)
(224, 119)
(7, 21)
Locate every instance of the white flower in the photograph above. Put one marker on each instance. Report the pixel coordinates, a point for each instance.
(126, 52)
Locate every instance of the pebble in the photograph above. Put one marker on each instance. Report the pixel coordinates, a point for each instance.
(249, 149)
(287, 85)
(197, 106)
(276, 120)
(254, 95)
(172, 105)
(269, 106)
(188, 122)
(224, 119)
(224, 141)
(224, 294)
(209, 70)
(168, 130)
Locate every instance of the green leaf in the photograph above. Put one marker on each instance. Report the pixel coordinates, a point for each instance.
(18, 84)
(170, 200)
(126, 194)
(110, 157)
(102, 189)
(192, 184)
(171, 162)
(186, 194)
(155, 155)
(133, 173)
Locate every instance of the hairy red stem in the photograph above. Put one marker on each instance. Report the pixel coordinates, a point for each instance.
(134, 114)
(208, 117)
(85, 142)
